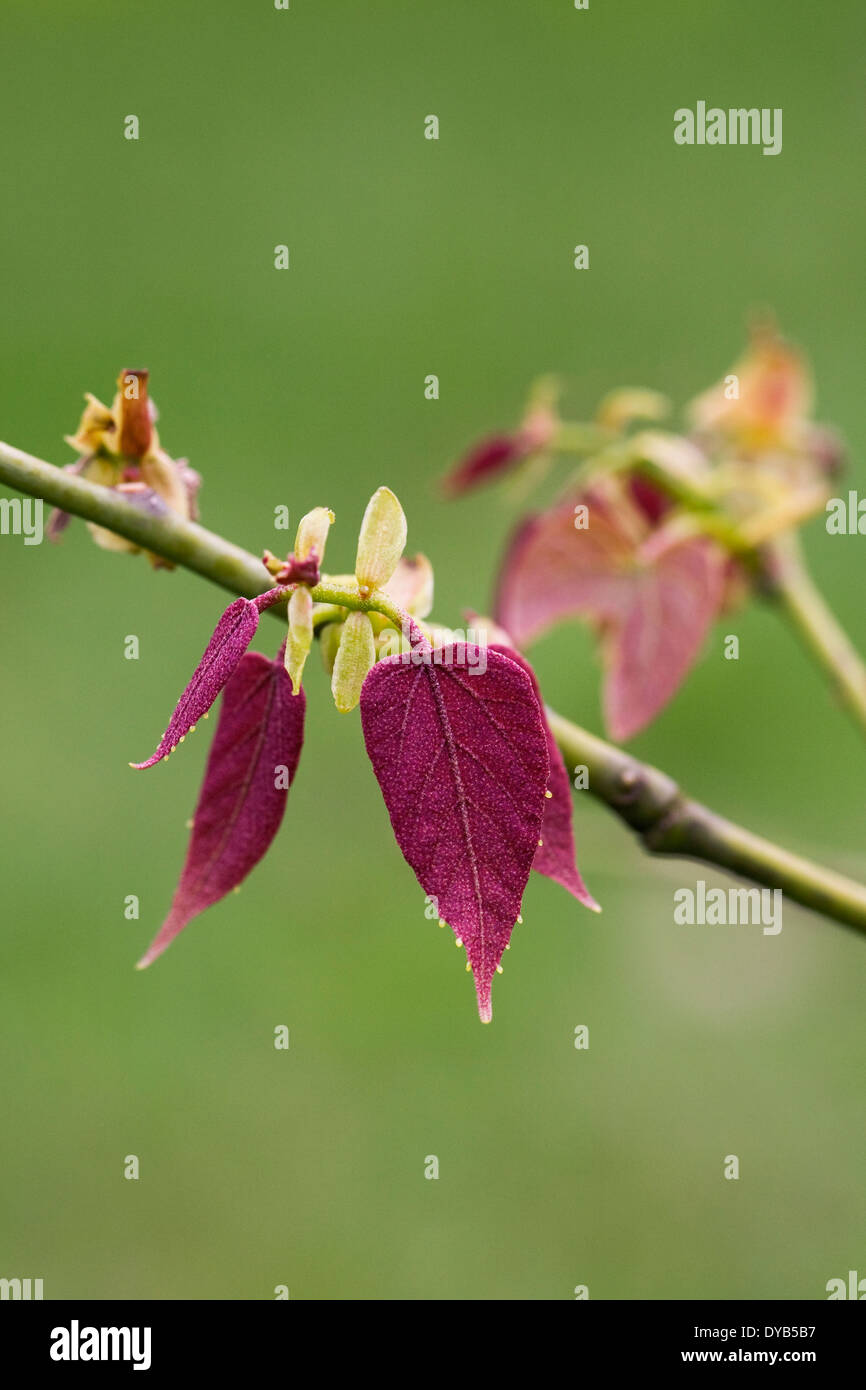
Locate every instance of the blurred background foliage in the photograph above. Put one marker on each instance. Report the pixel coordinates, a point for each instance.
(305, 1168)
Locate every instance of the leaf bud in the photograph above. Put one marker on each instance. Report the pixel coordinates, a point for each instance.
(300, 638)
(356, 654)
(381, 541)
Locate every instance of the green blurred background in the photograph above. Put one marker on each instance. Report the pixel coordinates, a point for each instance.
(306, 1167)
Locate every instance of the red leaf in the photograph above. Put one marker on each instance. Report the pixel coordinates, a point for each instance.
(500, 452)
(650, 652)
(555, 856)
(232, 635)
(653, 595)
(553, 571)
(242, 800)
(486, 460)
(461, 757)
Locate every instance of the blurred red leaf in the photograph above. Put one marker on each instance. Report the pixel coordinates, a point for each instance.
(653, 594)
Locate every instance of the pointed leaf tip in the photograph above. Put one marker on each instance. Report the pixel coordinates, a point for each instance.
(232, 635)
(458, 748)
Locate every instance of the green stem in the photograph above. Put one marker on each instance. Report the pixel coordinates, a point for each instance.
(374, 602)
(649, 801)
(793, 588)
(183, 542)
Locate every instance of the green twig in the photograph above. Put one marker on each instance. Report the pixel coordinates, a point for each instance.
(668, 822)
(791, 585)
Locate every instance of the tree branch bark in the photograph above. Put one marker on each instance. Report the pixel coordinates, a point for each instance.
(667, 821)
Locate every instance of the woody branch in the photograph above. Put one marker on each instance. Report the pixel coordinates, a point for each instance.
(666, 820)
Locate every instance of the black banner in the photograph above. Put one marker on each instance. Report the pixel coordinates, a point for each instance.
(213, 1338)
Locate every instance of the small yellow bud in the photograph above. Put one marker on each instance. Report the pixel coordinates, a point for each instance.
(356, 654)
(381, 541)
(300, 638)
(313, 533)
(97, 429)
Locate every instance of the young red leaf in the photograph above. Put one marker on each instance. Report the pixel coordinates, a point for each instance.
(555, 856)
(461, 756)
(677, 594)
(251, 766)
(653, 594)
(492, 456)
(232, 636)
(554, 570)
(500, 452)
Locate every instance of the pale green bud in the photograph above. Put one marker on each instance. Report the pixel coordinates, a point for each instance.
(381, 541)
(313, 533)
(300, 638)
(355, 656)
